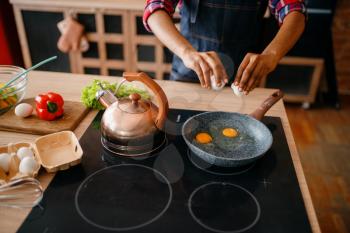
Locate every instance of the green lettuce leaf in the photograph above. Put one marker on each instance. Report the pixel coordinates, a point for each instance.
(88, 95)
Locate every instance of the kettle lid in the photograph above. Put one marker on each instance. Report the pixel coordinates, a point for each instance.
(133, 104)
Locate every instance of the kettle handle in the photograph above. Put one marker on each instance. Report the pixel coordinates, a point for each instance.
(157, 90)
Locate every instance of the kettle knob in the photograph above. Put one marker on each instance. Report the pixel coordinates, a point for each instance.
(135, 97)
(157, 90)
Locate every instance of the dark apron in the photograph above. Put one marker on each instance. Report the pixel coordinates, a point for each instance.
(229, 27)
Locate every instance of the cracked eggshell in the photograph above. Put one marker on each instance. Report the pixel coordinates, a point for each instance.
(236, 90)
(214, 86)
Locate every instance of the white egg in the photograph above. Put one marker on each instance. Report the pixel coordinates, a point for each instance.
(5, 160)
(24, 110)
(236, 90)
(28, 166)
(214, 85)
(24, 152)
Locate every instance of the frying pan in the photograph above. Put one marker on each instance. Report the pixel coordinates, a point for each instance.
(253, 139)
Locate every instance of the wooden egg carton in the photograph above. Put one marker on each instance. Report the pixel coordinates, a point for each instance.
(54, 152)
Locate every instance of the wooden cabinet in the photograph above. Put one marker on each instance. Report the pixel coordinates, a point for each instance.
(298, 78)
(118, 40)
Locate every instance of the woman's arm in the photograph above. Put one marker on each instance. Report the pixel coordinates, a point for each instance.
(163, 27)
(255, 67)
(204, 64)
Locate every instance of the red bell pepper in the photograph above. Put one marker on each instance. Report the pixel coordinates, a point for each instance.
(49, 106)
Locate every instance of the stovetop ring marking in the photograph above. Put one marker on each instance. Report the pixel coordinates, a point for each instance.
(216, 173)
(139, 157)
(165, 142)
(223, 231)
(123, 228)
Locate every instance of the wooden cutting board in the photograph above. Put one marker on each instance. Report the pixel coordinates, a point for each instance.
(74, 112)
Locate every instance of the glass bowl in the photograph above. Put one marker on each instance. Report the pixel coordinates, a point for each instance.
(14, 93)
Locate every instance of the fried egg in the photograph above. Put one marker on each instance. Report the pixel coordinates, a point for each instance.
(204, 138)
(230, 132)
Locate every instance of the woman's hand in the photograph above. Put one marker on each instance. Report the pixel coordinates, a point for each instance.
(253, 69)
(205, 64)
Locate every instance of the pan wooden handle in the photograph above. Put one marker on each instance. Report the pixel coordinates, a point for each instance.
(259, 113)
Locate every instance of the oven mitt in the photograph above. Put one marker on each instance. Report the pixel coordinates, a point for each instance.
(72, 36)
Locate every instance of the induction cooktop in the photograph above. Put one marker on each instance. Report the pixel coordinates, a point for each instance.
(172, 191)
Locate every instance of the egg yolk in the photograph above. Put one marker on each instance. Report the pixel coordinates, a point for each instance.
(230, 132)
(204, 138)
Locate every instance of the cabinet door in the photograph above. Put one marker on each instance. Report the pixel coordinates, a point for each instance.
(107, 33)
(42, 36)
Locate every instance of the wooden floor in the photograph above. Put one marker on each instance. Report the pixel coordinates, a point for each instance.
(322, 136)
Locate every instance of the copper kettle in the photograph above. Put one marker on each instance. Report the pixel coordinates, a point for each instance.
(132, 126)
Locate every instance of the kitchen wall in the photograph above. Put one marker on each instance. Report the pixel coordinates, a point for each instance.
(341, 35)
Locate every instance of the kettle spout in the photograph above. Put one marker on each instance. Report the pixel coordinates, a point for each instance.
(106, 97)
